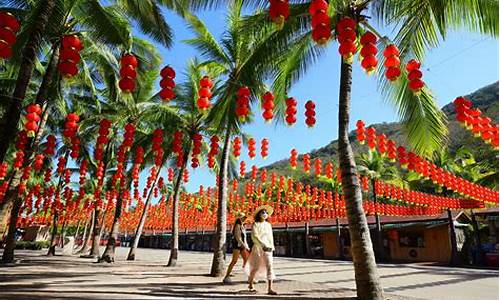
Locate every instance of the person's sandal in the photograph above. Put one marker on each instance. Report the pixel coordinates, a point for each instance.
(227, 280)
(271, 292)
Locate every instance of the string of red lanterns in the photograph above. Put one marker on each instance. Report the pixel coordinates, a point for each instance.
(427, 169)
(472, 120)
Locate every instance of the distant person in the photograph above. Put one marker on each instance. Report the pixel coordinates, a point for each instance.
(239, 244)
(261, 257)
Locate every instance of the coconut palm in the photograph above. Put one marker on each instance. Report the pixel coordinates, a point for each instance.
(45, 21)
(192, 122)
(418, 26)
(243, 59)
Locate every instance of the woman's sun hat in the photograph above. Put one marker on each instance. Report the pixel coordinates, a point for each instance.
(268, 208)
(239, 215)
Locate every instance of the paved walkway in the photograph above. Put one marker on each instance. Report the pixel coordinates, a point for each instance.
(66, 277)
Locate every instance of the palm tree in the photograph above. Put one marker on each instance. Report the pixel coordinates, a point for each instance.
(46, 21)
(418, 26)
(193, 121)
(373, 166)
(243, 59)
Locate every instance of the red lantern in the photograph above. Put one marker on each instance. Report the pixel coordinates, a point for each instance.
(9, 25)
(204, 93)
(243, 103)
(392, 62)
(279, 11)
(268, 106)
(167, 83)
(371, 137)
(346, 30)
(291, 111)
(70, 55)
(320, 21)
(33, 112)
(306, 163)
(128, 73)
(254, 173)
(197, 143)
(369, 51)
(317, 167)
(264, 148)
(414, 76)
(251, 148)
(236, 147)
(293, 158)
(360, 132)
(310, 113)
(242, 168)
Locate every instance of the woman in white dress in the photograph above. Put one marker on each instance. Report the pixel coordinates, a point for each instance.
(261, 257)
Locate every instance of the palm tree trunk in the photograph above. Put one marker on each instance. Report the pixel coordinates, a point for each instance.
(10, 240)
(174, 247)
(96, 235)
(63, 234)
(52, 247)
(60, 184)
(454, 260)
(477, 239)
(31, 147)
(87, 234)
(367, 279)
(138, 231)
(378, 226)
(340, 250)
(220, 233)
(8, 128)
(77, 231)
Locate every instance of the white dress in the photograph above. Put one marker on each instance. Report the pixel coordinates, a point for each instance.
(260, 261)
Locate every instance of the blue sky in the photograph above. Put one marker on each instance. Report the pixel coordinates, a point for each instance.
(461, 64)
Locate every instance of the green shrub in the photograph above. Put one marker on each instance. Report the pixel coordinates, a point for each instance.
(38, 245)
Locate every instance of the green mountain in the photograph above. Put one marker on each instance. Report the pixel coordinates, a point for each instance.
(485, 99)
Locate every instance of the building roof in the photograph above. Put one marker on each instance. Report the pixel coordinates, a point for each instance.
(385, 220)
(487, 211)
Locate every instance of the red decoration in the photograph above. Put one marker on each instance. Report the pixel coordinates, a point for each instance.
(264, 148)
(346, 30)
(360, 132)
(268, 106)
(70, 55)
(306, 163)
(128, 73)
(310, 113)
(320, 23)
(33, 112)
(392, 62)
(414, 76)
(369, 51)
(243, 103)
(291, 111)
(197, 143)
(251, 148)
(204, 93)
(214, 150)
(9, 25)
(236, 147)
(279, 11)
(167, 83)
(293, 158)
(473, 120)
(317, 167)
(242, 168)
